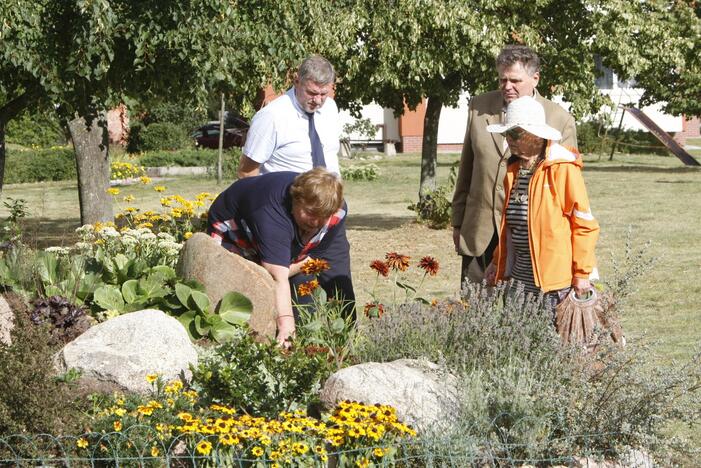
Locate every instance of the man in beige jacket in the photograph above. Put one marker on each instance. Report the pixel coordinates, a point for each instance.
(479, 189)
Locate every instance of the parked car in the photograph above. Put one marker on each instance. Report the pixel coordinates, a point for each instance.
(207, 136)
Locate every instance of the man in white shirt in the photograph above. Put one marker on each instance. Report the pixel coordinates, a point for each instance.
(296, 132)
(279, 137)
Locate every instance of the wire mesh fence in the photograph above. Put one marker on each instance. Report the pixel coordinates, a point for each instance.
(142, 446)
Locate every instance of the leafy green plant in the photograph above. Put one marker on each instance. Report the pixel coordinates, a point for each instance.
(367, 172)
(233, 312)
(434, 206)
(12, 227)
(324, 327)
(59, 273)
(259, 378)
(158, 287)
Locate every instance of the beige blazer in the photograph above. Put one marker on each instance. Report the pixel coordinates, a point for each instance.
(479, 189)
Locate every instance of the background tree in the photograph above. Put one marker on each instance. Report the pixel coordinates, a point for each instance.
(406, 50)
(88, 55)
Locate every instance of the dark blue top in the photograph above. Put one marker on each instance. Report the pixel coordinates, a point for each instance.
(263, 204)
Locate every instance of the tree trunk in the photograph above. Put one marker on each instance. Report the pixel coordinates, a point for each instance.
(91, 144)
(3, 154)
(429, 146)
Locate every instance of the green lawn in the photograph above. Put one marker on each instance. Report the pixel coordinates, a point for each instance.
(657, 198)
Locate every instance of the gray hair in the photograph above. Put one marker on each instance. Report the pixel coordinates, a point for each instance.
(516, 53)
(316, 69)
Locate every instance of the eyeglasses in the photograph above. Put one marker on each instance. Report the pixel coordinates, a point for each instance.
(514, 133)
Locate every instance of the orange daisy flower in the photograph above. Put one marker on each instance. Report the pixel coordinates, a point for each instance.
(315, 266)
(306, 289)
(397, 261)
(380, 267)
(429, 265)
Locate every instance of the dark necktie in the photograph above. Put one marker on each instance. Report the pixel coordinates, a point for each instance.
(317, 149)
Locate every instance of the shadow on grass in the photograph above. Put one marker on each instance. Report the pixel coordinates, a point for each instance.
(593, 167)
(40, 233)
(374, 222)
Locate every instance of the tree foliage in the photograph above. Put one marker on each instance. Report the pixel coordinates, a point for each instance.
(406, 50)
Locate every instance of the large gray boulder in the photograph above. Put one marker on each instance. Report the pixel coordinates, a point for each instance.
(221, 271)
(7, 321)
(119, 353)
(424, 394)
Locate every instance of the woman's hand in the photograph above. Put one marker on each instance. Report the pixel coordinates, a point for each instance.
(295, 268)
(285, 330)
(581, 286)
(283, 303)
(490, 274)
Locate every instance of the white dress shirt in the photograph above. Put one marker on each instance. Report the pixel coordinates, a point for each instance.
(279, 136)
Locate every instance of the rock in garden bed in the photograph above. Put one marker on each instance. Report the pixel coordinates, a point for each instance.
(424, 394)
(119, 353)
(220, 272)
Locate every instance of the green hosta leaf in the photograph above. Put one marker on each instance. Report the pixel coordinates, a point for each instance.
(130, 291)
(235, 317)
(182, 291)
(48, 268)
(188, 321)
(222, 332)
(121, 263)
(199, 301)
(235, 302)
(153, 286)
(52, 290)
(137, 268)
(109, 298)
(201, 325)
(168, 273)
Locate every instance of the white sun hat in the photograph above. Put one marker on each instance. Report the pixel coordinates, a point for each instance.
(528, 114)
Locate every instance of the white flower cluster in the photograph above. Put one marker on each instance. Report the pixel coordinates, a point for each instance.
(156, 249)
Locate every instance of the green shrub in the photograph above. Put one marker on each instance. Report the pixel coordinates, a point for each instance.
(40, 165)
(259, 378)
(163, 136)
(31, 398)
(194, 158)
(434, 208)
(360, 172)
(36, 130)
(533, 398)
(592, 137)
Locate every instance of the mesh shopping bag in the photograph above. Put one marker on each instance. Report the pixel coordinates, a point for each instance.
(585, 321)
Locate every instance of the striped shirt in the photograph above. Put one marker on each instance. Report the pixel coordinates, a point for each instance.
(517, 223)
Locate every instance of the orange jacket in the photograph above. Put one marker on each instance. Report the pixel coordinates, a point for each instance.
(561, 229)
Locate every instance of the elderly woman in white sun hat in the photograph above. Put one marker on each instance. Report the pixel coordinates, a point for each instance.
(548, 233)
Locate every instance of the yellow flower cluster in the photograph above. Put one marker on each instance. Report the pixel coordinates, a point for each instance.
(179, 217)
(125, 170)
(368, 432)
